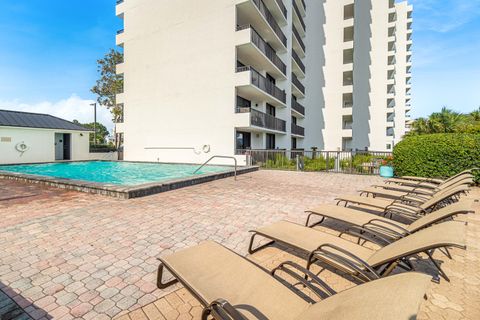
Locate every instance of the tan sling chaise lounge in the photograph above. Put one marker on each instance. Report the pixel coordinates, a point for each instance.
(427, 182)
(420, 193)
(384, 226)
(361, 262)
(231, 287)
(406, 207)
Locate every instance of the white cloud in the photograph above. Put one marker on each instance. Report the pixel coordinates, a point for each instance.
(72, 108)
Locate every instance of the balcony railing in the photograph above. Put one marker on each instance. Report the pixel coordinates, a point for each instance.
(299, 39)
(263, 120)
(298, 107)
(266, 49)
(300, 18)
(271, 20)
(282, 7)
(304, 5)
(348, 104)
(297, 130)
(264, 84)
(298, 61)
(297, 83)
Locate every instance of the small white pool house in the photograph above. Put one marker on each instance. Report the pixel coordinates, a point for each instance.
(32, 137)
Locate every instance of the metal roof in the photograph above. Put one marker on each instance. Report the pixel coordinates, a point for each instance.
(36, 120)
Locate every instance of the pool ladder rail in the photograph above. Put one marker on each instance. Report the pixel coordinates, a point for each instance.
(221, 157)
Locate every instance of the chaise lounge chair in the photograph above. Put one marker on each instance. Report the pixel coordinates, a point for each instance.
(426, 182)
(231, 287)
(428, 189)
(384, 226)
(361, 262)
(421, 193)
(409, 207)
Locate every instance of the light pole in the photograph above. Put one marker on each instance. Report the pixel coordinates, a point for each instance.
(94, 123)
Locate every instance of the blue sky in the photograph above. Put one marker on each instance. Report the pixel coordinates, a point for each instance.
(49, 48)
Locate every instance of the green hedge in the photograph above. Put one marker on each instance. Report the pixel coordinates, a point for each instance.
(437, 155)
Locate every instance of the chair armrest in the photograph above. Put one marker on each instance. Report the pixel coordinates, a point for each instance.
(288, 265)
(335, 253)
(368, 234)
(221, 309)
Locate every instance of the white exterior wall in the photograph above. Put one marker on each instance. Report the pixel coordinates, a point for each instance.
(401, 111)
(181, 85)
(41, 143)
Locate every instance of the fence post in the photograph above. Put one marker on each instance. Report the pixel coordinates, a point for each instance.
(327, 164)
(337, 162)
(298, 162)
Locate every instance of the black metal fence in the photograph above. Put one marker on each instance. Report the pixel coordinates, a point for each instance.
(352, 162)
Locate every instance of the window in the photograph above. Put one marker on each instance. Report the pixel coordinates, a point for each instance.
(271, 110)
(347, 56)
(389, 146)
(243, 140)
(294, 120)
(294, 143)
(348, 100)
(348, 11)
(348, 34)
(270, 141)
(348, 78)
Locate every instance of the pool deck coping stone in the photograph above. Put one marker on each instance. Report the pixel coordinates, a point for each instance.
(119, 191)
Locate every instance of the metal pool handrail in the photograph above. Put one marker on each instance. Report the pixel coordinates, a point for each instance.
(223, 157)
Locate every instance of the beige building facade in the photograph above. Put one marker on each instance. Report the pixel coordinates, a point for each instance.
(219, 77)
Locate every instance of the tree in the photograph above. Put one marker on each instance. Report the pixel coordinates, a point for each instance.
(102, 132)
(109, 84)
(447, 121)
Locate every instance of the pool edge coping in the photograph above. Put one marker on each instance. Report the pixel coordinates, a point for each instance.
(118, 191)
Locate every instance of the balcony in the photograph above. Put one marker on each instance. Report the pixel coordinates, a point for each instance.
(253, 50)
(120, 8)
(298, 130)
(298, 21)
(298, 87)
(120, 38)
(302, 7)
(256, 13)
(298, 108)
(278, 10)
(261, 120)
(298, 44)
(298, 66)
(252, 85)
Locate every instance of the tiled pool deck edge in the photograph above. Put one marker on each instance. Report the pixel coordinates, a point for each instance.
(122, 192)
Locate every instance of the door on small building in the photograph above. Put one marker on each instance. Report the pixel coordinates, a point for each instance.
(63, 146)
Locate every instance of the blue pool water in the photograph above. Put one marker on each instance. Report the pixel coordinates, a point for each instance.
(118, 173)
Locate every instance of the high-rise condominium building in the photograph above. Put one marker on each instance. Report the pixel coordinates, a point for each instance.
(216, 77)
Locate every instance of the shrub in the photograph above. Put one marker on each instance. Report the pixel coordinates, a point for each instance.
(280, 161)
(318, 164)
(437, 155)
(101, 148)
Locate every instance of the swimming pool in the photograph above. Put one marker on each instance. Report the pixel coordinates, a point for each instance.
(118, 173)
(121, 179)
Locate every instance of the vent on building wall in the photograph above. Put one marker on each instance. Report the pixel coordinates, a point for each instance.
(5, 139)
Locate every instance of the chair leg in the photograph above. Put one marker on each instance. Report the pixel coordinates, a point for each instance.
(442, 273)
(313, 225)
(160, 283)
(251, 250)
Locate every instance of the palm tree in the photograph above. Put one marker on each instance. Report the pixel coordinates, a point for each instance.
(445, 121)
(475, 115)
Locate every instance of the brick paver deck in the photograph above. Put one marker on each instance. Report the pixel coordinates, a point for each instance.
(68, 255)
